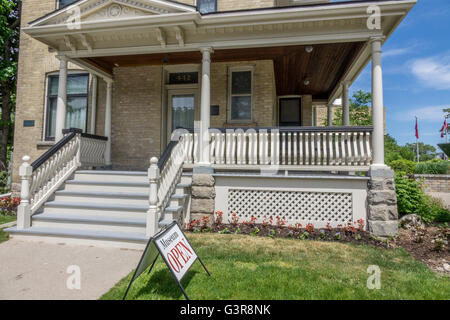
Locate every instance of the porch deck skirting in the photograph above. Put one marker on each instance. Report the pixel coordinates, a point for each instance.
(316, 199)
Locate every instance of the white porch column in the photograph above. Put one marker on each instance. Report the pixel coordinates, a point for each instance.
(94, 104)
(109, 85)
(62, 99)
(345, 104)
(377, 103)
(205, 107)
(330, 115)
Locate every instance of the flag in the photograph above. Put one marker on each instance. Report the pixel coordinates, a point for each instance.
(444, 128)
(417, 129)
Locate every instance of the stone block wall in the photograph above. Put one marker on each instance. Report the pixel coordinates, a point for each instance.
(203, 196)
(434, 182)
(382, 203)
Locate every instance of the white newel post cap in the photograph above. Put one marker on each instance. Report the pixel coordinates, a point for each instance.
(25, 169)
(153, 171)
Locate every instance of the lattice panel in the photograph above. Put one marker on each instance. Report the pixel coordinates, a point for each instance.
(291, 205)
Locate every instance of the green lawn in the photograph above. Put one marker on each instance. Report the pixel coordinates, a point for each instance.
(5, 219)
(245, 267)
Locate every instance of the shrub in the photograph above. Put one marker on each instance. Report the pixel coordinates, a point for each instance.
(410, 196)
(432, 167)
(402, 165)
(412, 199)
(3, 181)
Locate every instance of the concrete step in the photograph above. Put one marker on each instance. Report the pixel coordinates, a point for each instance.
(107, 186)
(100, 209)
(138, 198)
(89, 222)
(111, 176)
(89, 237)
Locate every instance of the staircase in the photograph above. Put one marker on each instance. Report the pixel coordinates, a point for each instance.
(103, 208)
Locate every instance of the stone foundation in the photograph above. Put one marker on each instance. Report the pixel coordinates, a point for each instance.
(382, 203)
(203, 196)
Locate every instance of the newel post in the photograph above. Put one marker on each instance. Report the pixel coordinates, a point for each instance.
(153, 212)
(24, 209)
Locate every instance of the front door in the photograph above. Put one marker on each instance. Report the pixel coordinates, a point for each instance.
(182, 109)
(290, 112)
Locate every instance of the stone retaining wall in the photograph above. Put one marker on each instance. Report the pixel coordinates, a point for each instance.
(434, 182)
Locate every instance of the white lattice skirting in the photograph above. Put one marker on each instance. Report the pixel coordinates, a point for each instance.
(295, 199)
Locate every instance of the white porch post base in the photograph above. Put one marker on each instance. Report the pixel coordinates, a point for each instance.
(154, 211)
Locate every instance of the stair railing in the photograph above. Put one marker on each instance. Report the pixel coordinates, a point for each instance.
(42, 178)
(164, 175)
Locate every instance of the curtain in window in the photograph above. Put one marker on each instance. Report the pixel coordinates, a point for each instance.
(77, 103)
(205, 6)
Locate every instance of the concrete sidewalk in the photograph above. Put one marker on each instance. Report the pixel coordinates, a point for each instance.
(38, 270)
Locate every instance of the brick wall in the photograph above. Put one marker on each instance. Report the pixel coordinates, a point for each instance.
(434, 182)
(35, 62)
(263, 93)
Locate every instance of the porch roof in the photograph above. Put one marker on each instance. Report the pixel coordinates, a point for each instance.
(89, 31)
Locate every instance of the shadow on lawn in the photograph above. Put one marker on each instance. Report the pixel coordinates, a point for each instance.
(162, 283)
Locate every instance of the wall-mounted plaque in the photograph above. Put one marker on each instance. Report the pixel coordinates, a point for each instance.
(28, 123)
(215, 110)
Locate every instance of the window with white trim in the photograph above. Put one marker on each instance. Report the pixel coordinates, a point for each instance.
(240, 95)
(65, 3)
(206, 6)
(77, 103)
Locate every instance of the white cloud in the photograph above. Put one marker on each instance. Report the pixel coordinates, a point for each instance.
(396, 52)
(426, 114)
(433, 72)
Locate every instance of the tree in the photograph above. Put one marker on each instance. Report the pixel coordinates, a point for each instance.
(426, 151)
(360, 114)
(9, 48)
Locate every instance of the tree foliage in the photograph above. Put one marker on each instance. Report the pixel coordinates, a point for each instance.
(359, 108)
(9, 48)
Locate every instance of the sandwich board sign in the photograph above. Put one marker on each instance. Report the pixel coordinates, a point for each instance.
(176, 251)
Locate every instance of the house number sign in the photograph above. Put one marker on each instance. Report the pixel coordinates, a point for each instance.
(183, 78)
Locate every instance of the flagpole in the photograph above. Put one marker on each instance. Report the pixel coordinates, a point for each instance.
(417, 140)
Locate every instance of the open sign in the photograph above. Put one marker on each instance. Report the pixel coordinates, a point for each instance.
(176, 251)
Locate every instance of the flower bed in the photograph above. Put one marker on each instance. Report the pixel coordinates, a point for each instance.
(352, 232)
(8, 206)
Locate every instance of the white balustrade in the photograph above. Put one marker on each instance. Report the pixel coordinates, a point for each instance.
(42, 178)
(288, 148)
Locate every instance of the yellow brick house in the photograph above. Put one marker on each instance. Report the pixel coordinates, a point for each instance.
(133, 113)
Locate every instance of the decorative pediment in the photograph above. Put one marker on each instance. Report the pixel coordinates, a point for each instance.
(98, 10)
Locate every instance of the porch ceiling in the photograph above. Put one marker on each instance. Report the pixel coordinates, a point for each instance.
(324, 67)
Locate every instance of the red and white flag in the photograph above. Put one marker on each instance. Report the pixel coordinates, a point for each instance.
(444, 128)
(417, 129)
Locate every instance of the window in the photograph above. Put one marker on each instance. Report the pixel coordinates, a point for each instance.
(206, 6)
(241, 96)
(65, 3)
(77, 103)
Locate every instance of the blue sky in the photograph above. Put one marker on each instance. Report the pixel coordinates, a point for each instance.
(416, 73)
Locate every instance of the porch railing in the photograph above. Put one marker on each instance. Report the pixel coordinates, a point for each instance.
(164, 175)
(45, 175)
(286, 147)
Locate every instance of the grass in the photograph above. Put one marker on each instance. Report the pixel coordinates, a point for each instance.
(245, 267)
(5, 219)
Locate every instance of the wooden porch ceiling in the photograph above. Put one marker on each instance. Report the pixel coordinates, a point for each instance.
(324, 67)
